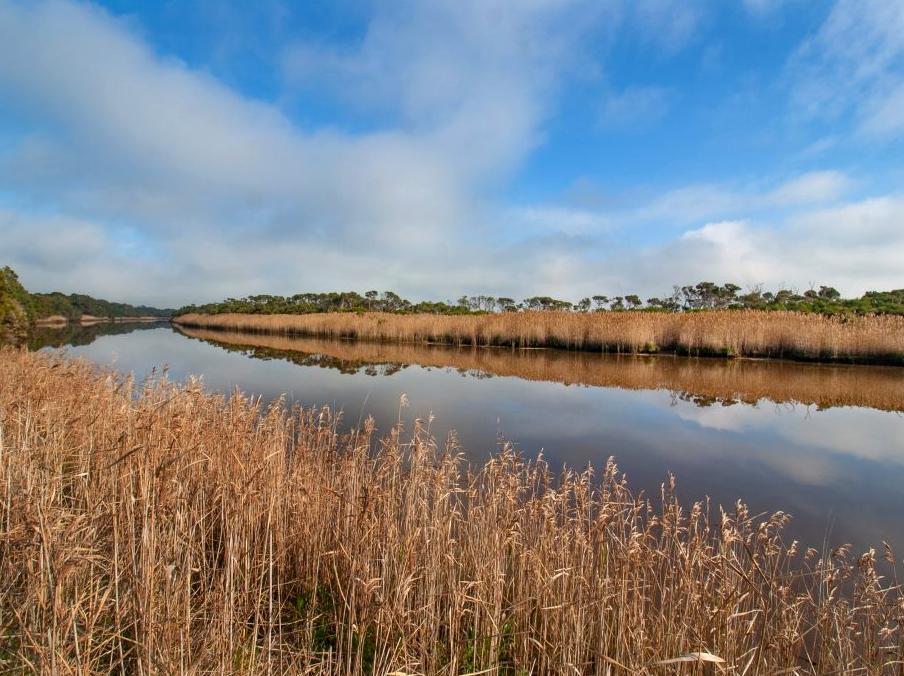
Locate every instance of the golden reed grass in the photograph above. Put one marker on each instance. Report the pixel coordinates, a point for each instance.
(702, 380)
(153, 528)
(743, 333)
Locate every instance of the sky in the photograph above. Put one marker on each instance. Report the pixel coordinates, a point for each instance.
(185, 151)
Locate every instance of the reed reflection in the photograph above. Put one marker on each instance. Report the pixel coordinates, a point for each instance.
(704, 382)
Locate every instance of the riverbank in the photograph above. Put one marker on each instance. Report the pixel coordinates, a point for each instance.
(162, 529)
(704, 381)
(871, 339)
(88, 320)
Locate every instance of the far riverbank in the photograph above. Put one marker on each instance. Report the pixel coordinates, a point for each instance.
(869, 339)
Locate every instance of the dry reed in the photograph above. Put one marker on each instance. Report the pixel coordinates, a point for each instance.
(741, 333)
(701, 380)
(154, 528)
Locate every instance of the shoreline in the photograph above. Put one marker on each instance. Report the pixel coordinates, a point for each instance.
(88, 320)
(748, 335)
(745, 380)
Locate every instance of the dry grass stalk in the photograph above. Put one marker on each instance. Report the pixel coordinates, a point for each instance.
(741, 333)
(154, 528)
(701, 380)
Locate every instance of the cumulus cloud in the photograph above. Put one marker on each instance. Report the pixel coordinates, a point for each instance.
(149, 138)
(141, 178)
(475, 74)
(124, 136)
(815, 237)
(856, 246)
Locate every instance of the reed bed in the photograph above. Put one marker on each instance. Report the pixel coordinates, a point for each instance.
(154, 528)
(701, 380)
(739, 333)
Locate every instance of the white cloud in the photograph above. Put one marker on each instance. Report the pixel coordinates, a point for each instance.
(122, 135)
(811, 188)
(855, 247)
(176, 188)
(467, 73)
(701, 202)
(233, 196)
(539, 221)
(136, 132)
(62, 253)
(854, 65)
(883, 115)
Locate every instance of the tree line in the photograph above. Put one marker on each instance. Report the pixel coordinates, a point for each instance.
(74, 305)
(701, 296)
(71, 306)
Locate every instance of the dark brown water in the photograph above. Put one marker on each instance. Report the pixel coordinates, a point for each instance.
(823, 443)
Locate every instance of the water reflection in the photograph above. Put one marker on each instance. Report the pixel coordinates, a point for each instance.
(59, 335)
(704, 382)
(825, 444)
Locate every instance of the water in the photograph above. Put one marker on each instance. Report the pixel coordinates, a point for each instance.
(823, 443)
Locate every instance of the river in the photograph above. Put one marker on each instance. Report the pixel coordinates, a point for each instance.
(822, 443)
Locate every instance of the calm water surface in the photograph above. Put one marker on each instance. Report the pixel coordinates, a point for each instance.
(823, 443)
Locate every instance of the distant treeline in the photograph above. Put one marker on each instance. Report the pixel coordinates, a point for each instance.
(705, 295)
(19, 306)
(75, 305)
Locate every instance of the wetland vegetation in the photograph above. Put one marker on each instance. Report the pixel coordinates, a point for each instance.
(157, 528)
(150, 526)
(727, 333)
(705, 381)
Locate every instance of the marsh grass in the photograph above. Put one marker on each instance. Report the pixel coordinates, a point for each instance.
(702, 381)
(726, 333)
(154, 528)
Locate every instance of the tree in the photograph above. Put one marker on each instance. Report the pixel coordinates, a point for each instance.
(371, 297)
(634, 301)
(753, 298)
(15, 307)
(583, 305)
(601, 302)
(546, 303)
(506, 304)
(484, 303)
(392, 302)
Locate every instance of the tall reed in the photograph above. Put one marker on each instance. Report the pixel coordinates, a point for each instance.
(155, 528)
(749, 333)
(700, 380)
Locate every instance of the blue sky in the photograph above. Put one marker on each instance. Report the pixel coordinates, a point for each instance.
(170, 152)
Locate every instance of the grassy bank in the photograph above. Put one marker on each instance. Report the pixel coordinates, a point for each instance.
(738, 333)
(159, 529)
(704, 381)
